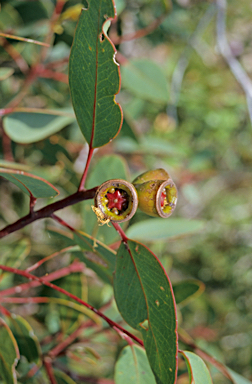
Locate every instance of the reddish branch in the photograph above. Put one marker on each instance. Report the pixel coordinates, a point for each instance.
(75, 267)
(84, 176)
(42, 280)
(48, 210)
(48, 366)
(140, 33)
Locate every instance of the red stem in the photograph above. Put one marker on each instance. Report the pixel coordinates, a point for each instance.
(76, 266)
(49, 370)
(120, 231)
(6, 144)
(62, 222)
(58, 76)
(42, 261)
(69, 340)
(61, 290)
(140, 33)
(84, 176)
(48, 210)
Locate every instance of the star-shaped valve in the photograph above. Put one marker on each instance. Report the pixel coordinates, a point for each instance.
(115, 200)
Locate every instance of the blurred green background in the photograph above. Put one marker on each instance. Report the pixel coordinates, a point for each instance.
(183, 111)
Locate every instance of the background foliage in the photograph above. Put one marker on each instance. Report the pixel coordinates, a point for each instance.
(192, 120)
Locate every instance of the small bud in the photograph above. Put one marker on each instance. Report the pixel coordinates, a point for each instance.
(117, 200)
(157, 193)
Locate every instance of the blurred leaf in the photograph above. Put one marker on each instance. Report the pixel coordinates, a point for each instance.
(5, 73)
(18, 254)
(238, 379)
(106, 168)
(120, 5)
(25, 128)
(152, 145)
(197, 369)
(96, 255)
(31, 11)
(144, 78)
(94, 76)
(133, 366)
(30, 184)
(187, 290)
(62, 378)
(9, 354)
(73, 283)
(160, 229)
(27, 342)
(144, 297)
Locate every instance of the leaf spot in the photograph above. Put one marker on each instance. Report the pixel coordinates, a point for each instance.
(170, 369)
(90, 48)
(102, 37)
(157, 303)
(162, 288)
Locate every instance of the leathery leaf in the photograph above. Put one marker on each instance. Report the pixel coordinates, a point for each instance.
(145, 300)
(94, 77)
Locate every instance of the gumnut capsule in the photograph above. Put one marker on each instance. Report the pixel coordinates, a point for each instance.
(115, 200)
(157, 193)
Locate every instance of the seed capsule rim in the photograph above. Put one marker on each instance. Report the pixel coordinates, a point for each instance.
(159, 207)
(100, 197)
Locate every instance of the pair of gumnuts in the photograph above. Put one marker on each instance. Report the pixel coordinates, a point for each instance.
(153, 192)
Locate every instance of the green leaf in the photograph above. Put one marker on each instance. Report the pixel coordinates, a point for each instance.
(15, 256)
(108, 167)
(30, 184)
(94, 75)
(95, 254)
(132, 366)
(62, 378)
(145, 299)
(9, 354)
(145, 79)
(27, 341)
(74, 284)
(187, 290)
(160, 229)
(5, 73)
(98, 257)
(197, 369)
(238, 379)
(25, 128)
(120, 5)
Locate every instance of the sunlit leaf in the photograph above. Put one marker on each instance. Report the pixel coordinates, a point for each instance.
(160, 229)
(145, 79)
(9, 354)
(197, 369)
(30, 184)
(120, 5)
(5, 73)
(238, 379)
(133, 366)
(145, 300)
(94, 75)
(28, 128)
(62, 378)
